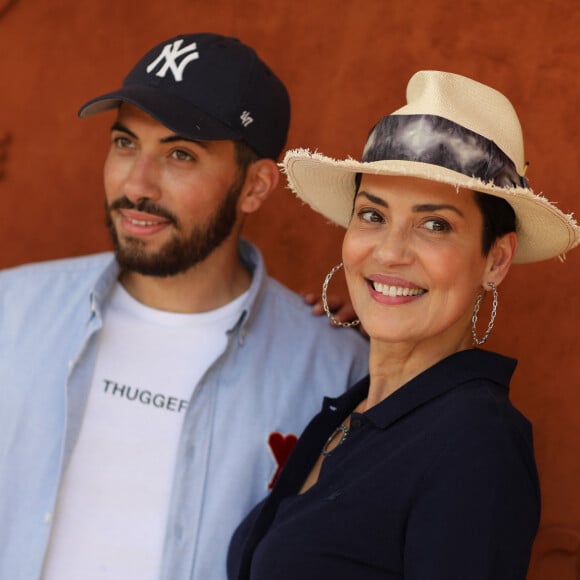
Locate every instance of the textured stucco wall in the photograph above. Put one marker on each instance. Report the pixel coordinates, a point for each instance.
(346, 63)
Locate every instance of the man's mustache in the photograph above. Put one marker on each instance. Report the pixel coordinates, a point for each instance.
(144, 205)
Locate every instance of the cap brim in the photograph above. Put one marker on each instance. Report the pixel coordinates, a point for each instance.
(328, 186)
(171, 111)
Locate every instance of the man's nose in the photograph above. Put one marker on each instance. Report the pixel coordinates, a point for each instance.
(142, 181)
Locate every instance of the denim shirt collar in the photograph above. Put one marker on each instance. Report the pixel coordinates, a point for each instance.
(254, 263)
(251, 259)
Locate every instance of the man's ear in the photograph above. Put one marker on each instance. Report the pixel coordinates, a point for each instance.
(262, 177)
(500, 259)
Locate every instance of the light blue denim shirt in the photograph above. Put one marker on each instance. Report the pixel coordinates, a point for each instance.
(279, 363)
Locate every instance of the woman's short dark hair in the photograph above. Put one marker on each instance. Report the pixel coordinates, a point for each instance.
(499, 217)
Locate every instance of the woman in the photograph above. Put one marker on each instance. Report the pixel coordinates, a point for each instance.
(424, 470)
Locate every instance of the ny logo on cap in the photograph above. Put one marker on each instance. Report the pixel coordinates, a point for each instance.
(170, 54)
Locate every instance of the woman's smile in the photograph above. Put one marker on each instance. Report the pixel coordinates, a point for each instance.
(398, 291)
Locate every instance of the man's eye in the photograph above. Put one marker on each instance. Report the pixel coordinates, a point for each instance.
(182, 155)
(122, 142)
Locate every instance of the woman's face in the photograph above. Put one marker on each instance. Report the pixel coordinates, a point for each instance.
(413, 260)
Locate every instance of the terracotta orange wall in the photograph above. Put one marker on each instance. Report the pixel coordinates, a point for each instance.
(346, 63)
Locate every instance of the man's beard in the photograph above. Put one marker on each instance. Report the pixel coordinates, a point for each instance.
(178, 254)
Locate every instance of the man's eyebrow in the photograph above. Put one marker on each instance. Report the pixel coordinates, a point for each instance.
(120, 127)
(169, 139)
(174, 138)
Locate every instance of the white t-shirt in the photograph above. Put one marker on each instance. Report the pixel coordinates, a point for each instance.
(113, 501)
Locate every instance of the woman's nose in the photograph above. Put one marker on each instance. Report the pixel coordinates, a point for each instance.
(394, 247)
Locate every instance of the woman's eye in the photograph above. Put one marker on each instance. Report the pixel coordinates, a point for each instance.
(370, 216)
(437, 225)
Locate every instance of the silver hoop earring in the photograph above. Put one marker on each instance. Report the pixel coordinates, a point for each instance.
(491, 319)
(325, 303)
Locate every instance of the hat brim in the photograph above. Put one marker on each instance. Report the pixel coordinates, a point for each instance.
(328, 186)
(174, 113)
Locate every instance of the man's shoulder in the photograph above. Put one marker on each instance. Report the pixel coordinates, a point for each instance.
(288, 308)
(287, 302)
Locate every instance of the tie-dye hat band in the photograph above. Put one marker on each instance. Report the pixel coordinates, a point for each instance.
(438, 141)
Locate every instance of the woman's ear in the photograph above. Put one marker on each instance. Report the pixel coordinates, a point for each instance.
(500, 259)
(262, 177)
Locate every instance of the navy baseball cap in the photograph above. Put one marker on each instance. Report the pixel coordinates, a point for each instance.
(207, 87)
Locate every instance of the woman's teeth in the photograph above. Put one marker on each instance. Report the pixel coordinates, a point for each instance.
(386, 290)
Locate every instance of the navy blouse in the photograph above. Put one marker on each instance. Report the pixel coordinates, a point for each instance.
(436, 482)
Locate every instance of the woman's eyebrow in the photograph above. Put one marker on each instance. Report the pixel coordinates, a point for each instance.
(429, 207)
(372, 198)
(419, 208)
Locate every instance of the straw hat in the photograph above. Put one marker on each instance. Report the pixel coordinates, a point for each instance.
(452, 130)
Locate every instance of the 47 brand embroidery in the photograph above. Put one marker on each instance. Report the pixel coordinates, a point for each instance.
(169, 55)
(280, 446)
(246, 118)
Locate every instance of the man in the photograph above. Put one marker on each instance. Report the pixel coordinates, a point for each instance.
(149, 398)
